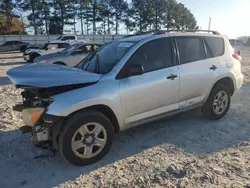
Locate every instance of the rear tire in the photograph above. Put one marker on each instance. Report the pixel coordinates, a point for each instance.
(218, 102)
(86, 138)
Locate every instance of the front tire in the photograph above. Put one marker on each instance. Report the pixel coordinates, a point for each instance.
(86, 138)
(218, 102)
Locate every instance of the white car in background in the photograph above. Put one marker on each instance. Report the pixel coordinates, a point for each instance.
(48, 48)
(71, 56)
(66, 38)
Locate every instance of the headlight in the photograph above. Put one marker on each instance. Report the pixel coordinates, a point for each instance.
(31, 115)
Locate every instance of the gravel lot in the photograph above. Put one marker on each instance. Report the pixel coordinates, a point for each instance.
(183, 151)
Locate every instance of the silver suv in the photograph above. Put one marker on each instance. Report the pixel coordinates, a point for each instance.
(125, 83)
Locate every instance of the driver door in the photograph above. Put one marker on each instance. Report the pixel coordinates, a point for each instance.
(156, 92)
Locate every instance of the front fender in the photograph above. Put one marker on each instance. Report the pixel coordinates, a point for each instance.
(102, 93)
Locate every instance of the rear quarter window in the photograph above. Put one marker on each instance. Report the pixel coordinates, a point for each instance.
(190, 49)
(215, 45)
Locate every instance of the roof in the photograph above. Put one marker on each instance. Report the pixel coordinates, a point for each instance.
(171, 33)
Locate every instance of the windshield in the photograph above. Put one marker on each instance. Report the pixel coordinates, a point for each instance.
(106, 57)
(43, 47)
(59, 38)
(70, 49)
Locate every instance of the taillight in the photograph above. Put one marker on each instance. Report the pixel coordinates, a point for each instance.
(237, 56)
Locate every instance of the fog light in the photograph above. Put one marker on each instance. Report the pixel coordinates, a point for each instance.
(31, 115)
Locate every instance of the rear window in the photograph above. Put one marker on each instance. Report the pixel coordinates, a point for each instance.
(190, 49)
(215, 45)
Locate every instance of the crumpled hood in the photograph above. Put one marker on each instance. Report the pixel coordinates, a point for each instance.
(49, 75)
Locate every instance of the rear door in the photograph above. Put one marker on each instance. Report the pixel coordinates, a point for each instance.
(197, 69)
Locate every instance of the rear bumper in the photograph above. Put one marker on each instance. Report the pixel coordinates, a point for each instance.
(239, 81)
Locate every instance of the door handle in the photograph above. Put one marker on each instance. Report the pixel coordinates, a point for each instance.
(172, 76)
(213, 67)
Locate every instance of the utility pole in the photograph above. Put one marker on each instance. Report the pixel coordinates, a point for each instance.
(209, 24)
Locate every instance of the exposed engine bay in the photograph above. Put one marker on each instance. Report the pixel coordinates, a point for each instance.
(40, 97)
(37, 100)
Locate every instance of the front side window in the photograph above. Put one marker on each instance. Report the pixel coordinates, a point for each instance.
(153, 55)
(72, 38)
(190, 49)
(64, 38)
(106, 57)
(70, 49)
(44, 46)
(59, 38)
(8, 43)
(52, 46)
(15, 42)
(83, 49)
(63, 45)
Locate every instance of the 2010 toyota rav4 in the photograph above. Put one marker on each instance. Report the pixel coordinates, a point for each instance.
(125, 83)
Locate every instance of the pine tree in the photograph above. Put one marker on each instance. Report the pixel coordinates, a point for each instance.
(141, 11)
(34, 18)
(6, 8)
(63, 14)
(45, 10)
(119, 8)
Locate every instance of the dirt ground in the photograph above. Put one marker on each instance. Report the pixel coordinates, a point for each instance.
(182, 151)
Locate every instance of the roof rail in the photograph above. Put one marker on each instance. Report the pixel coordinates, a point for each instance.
(139, 33)
(190, 30)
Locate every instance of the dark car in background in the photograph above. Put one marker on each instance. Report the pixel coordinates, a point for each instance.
(12, 46)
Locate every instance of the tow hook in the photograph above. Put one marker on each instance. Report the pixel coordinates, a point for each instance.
(26, 129)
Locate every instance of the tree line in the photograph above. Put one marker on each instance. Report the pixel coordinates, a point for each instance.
(98, 16)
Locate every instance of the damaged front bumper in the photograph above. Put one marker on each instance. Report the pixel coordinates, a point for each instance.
(44, 128)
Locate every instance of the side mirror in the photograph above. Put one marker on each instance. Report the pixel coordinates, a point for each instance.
(133, 70)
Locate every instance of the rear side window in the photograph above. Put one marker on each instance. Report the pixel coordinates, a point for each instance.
(153, 55)
(190, 49)
(215, 45)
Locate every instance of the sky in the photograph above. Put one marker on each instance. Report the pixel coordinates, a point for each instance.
(229, 17)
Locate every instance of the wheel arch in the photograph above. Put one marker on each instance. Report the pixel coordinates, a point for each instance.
(59, 63)
(105, 110)
(227, 81)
